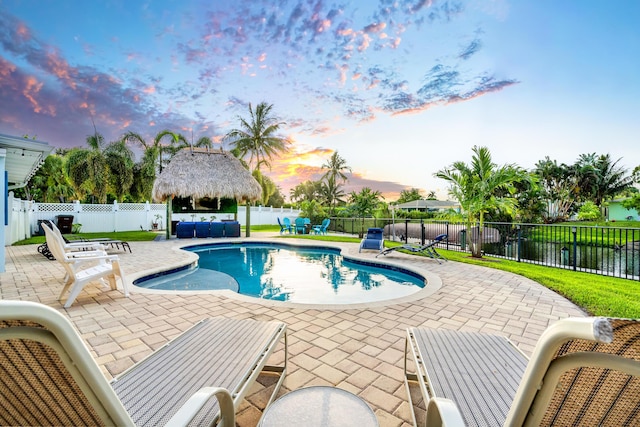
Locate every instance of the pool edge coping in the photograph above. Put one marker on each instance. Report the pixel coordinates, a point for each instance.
(348, 250)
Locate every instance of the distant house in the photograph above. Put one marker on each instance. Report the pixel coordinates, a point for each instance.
(616, 212)
(429, 206)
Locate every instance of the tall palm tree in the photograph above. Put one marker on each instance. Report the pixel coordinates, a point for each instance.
(476, 187)
(258, 136)
(120, 162)
(336, 168)
(159, 152)
(87, 169)
(332, 193)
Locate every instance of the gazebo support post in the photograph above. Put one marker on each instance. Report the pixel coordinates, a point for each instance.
(168, 225)
(247, 229)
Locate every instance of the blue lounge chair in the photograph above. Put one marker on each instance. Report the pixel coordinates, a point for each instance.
(322, 228)
(428, 250)
(301, 227)
(374, 240)
(285, 225)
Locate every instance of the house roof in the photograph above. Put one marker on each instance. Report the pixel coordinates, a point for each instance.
(429, 204)
(23, 158)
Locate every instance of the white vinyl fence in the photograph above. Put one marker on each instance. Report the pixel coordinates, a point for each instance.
(24, 216)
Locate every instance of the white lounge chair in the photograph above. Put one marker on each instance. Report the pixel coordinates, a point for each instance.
(48, 376)
(583, 371)
(83, 267)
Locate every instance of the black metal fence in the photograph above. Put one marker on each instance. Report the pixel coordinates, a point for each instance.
(608, 251)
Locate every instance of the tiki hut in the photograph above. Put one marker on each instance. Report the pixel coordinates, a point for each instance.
(198, 173)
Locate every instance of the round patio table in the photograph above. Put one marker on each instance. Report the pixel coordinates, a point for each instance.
(319, 406)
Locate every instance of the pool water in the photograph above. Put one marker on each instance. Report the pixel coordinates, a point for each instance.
(311, 275)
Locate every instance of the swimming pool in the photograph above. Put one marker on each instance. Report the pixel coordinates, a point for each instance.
(281, 272)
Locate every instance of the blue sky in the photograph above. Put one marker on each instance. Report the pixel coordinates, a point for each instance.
(399, 88)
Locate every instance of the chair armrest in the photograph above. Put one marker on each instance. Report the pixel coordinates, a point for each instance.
(93, 256)
(84, 254)
(191, 407)
(443, 412)
(79, 245)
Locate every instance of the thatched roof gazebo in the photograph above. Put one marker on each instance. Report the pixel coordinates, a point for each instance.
(198, 173)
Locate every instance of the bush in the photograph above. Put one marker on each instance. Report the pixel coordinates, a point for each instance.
(589, 211)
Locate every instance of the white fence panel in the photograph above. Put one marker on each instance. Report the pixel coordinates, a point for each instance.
(25, 216)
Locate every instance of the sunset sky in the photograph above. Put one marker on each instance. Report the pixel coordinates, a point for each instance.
(400, 88)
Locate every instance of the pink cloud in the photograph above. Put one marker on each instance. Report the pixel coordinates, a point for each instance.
(31, 91)
(61, 69)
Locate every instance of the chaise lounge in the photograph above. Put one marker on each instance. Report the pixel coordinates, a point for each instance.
(428, 250)
(373, 240)
(583, 371)
(49, 377)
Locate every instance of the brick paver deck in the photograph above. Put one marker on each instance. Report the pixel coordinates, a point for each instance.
(358, 348)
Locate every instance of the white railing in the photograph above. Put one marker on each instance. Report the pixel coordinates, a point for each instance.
(24, 216)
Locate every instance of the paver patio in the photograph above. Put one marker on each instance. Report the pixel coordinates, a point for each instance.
(358, 348)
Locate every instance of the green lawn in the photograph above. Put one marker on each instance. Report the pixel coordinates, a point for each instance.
(126, 236)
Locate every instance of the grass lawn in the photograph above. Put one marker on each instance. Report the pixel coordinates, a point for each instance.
(598, 295)
(126, 236)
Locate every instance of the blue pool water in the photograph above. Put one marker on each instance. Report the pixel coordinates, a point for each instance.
(311, 275)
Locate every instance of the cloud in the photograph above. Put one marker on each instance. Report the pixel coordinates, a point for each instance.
(471, 49)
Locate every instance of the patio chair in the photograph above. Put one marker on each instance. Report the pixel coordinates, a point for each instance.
(285, 225)
(373, 240)
(90, 244)
(428, 249)
(50, 378)
(583, 371)
(300, 225)
(322, 228)
(84, 267)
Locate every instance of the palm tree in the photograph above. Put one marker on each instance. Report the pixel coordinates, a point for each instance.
(364, 204)
(87, 169)
(307, 190)
(49, 183)
(605, 179)
(409, 196)
(332, 193)
(120, 162)
(558, 185)
(257, 137)
(159, 153)
(336, 167)
(476, 187)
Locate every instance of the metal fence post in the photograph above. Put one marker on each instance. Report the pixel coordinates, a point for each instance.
(519, 241)
(574, 230)
(447, 231)
(406, 230)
